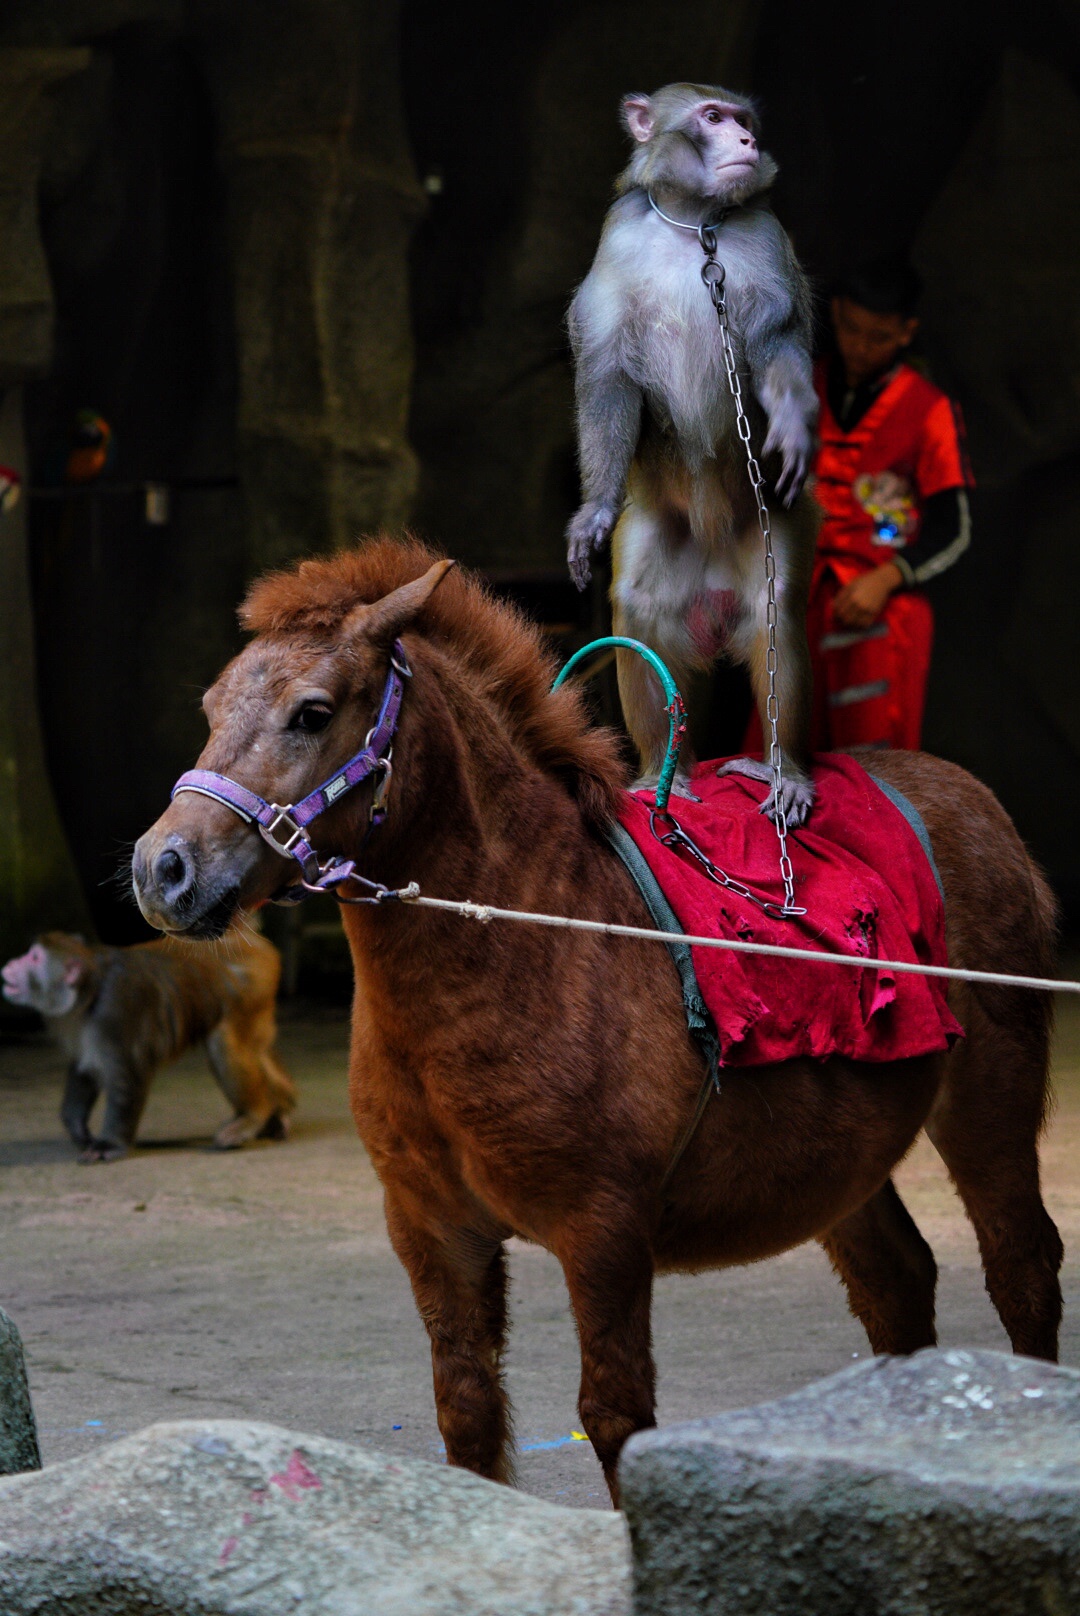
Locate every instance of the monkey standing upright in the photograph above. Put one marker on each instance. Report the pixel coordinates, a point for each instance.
(662, 464)
(120, 1013)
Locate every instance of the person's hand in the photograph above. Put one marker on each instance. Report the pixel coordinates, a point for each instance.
(861, 602)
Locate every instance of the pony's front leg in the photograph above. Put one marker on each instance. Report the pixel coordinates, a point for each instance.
(609, 1275)
(459, 1280)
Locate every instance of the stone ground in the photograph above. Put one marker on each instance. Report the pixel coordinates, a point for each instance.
(183, 1284)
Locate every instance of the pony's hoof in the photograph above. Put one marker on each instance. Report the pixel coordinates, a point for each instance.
(798, 794)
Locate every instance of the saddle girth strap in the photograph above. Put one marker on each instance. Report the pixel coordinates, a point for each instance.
(698, 1019)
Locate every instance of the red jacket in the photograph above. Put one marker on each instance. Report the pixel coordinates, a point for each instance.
(913, 430)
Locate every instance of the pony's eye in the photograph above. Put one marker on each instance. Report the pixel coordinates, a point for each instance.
(312, 717)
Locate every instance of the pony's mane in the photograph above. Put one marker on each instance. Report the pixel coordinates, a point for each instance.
(495, 641)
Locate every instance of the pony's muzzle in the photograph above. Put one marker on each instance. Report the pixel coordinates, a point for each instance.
(174, 875)
(164, 880)
(194, 868)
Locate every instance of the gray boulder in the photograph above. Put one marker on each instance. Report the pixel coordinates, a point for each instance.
(945, 1484)
(18, 1434)
(229, 1516)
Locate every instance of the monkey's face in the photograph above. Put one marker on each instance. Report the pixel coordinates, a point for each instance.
(697, 144)
(724, 137)
(43, 979)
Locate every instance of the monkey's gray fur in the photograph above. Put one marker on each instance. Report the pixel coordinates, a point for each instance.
(662, 466)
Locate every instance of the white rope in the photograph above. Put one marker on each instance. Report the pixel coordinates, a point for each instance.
(485, 913)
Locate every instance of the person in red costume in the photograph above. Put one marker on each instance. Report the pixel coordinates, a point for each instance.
(891, 476)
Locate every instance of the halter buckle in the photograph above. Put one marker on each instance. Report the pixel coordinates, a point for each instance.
(294, 832)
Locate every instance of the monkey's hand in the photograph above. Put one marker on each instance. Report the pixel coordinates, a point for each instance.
(590, 529)
(789, 435)
(798, 790)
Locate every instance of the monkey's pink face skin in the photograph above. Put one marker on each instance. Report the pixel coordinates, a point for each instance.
(721, 132)
(42, 981)
(726, 137)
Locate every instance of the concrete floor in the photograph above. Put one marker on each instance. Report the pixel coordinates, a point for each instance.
(182, 1284)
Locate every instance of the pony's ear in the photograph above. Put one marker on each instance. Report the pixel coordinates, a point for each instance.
(385, 619)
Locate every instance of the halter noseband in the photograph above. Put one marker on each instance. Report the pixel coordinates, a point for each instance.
(284, 829)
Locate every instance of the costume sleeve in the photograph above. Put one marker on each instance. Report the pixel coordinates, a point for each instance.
(943, 459)
(943, 537)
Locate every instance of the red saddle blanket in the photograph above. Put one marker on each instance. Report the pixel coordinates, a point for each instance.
(868, 887)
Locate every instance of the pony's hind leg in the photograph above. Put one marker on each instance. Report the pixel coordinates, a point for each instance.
(986, 1126)
(888, 1271)
(459, 1281)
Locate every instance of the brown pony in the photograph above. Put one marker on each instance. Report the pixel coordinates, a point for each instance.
(516, 1080)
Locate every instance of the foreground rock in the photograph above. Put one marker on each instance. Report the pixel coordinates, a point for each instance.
(18, 1433)
(946, 1484)
(230, 1516)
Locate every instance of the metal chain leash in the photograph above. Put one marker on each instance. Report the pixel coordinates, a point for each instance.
(714, 275)
(669, 833)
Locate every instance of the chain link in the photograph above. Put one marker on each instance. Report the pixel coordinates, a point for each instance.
(669, 833)
(714, 275)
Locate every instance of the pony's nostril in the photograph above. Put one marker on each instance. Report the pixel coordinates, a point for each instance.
(171, 873)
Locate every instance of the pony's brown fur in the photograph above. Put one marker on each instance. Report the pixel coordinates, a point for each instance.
(504, 652)
(518, 1080)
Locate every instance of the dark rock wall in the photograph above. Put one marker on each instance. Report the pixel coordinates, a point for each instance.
(37, 874)
(134, 619)
(322, 202)
(218, 267)
(1000, 250)
(311, 261)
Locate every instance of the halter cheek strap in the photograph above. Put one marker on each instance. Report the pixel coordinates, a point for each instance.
(285, 829)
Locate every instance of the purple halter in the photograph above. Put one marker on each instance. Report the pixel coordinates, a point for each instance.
(284, 829)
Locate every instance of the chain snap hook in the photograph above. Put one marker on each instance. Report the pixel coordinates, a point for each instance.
(382, 787)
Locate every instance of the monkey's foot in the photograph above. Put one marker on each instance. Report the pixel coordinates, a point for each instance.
(798, 792)
(243, 1129)
(240, 1131)
(275, 1127)
(680, 786)
(101, 1150)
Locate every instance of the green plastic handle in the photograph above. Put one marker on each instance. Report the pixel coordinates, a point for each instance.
(676, 707)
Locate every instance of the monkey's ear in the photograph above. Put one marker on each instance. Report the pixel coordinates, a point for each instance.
(638, 116)
(74, 970)
(385, 619)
